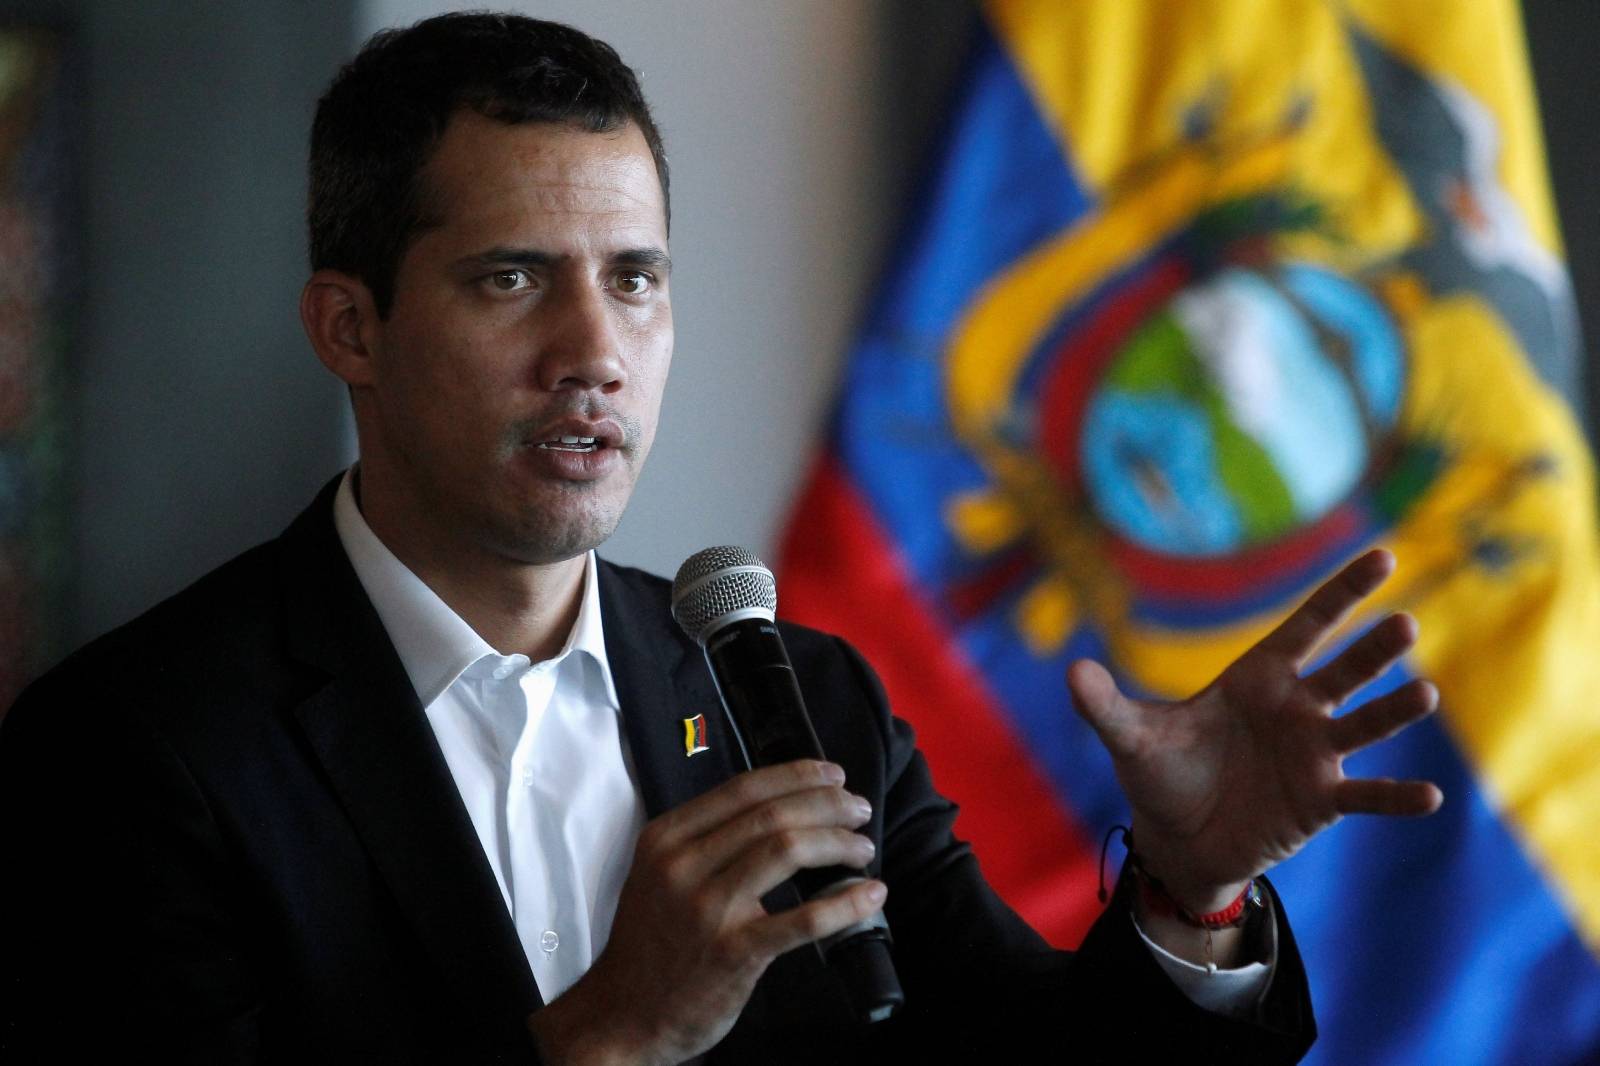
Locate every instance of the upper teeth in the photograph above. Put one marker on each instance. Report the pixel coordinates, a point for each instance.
(577, 440)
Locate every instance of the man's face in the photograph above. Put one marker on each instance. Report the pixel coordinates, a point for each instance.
(519, 375)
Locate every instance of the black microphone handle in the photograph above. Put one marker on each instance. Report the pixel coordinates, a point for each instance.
(761, 694)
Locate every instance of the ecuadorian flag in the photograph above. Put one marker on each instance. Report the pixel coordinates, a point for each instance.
(1202, 299)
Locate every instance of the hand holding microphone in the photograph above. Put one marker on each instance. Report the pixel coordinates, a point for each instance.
(691, 937)
(726, 600)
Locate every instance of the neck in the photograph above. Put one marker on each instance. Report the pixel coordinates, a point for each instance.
(516, 607)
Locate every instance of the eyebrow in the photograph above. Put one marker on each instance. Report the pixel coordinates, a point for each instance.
(651, 258)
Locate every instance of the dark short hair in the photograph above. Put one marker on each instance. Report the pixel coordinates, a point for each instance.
(381, 119)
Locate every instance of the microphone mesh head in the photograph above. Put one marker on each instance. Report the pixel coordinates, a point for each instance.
(718, 582)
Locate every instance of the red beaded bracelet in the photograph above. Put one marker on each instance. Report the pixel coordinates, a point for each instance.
(1160, 901)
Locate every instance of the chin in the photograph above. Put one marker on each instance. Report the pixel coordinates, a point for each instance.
(540, 542)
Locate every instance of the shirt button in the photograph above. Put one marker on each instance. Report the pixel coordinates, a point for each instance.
(527, 776)
(502, 672)
(549, 941)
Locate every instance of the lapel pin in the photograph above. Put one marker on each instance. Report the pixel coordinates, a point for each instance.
(694, 735)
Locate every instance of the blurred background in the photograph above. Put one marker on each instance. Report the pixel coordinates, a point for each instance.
(160, 410)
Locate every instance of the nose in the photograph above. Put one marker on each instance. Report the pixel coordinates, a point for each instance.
(583, 344)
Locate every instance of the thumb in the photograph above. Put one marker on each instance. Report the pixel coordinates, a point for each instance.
(1096, 697)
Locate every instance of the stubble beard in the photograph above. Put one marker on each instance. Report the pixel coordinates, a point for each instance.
(584, 515)
(539, 538)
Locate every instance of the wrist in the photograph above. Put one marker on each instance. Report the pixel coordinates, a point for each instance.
(1220, 949)
(1177, 880)
(1154, 900)
(1212, 937)
(567, 1034)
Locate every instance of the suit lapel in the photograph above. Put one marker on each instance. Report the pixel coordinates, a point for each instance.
(368, 731)
(662, 680)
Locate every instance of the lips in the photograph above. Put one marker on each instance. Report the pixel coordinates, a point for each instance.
(570, 444)
(574, 448)
(575, 435)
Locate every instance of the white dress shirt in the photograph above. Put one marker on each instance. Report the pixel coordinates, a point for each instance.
(536, 750)
(538, 753)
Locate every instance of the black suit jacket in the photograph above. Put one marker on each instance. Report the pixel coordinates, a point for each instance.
(231, 836)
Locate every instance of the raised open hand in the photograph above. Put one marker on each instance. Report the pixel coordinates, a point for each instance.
(1240, 776)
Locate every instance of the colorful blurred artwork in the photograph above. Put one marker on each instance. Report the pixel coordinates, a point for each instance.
(35, 207)
(1201, 300)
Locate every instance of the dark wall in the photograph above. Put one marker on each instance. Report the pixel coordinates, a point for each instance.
(201, 417)
(1564, 49)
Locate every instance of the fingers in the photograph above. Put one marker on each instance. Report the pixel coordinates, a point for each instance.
(1299, 634)
(1383, 717)
(1386, 796)
(1365, 659)
(727, 848)
(761, 868)
(774, 824)
(819, 918)
(691, 936)
(744, 792)
(1111, 714)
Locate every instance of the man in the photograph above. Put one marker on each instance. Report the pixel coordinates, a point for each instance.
(408, 783)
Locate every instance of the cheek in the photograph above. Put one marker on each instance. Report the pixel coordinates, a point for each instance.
(449, 367)
(652, 388)
(446, 400)
(655, 347)
(651, 346)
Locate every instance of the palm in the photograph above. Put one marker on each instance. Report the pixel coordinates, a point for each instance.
(1241, 775)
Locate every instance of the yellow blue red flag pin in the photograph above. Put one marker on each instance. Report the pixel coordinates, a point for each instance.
(694, 735)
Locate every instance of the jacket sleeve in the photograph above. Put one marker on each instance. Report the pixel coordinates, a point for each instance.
(118, 926)
(981, 985)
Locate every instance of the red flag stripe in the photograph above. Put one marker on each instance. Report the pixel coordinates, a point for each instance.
(840, 573)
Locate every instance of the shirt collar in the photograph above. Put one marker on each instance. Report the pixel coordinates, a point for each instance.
(434, 643)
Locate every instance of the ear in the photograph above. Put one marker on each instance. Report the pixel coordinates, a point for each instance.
(341, 321)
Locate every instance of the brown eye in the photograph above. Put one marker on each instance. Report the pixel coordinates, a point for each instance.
(633, 282)
(510, 280)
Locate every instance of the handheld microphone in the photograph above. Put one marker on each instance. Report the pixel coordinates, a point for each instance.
(726, 600)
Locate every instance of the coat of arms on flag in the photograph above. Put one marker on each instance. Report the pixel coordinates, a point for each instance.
(1205, 299)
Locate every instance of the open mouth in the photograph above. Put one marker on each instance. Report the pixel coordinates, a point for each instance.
(571, 444)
